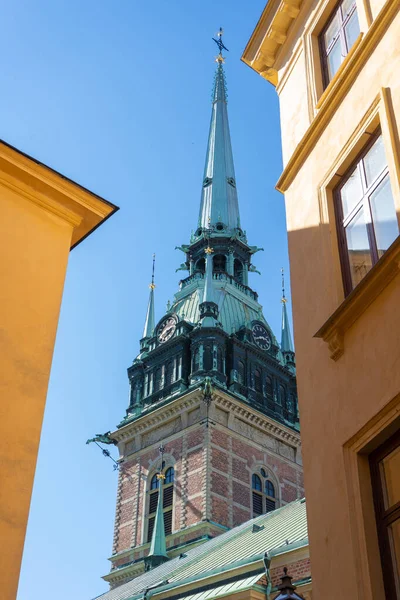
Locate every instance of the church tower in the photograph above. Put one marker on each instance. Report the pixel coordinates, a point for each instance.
(211, 434)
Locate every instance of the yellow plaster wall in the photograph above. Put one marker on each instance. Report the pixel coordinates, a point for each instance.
(293, 107)
(34, 248)
(338, 399)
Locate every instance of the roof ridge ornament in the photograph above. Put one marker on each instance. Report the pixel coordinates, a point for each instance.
(221, 46)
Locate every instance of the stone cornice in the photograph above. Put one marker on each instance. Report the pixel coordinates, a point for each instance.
(268, 37)
(339, 87)
(53, 192)
(157, 416)
(255, 418)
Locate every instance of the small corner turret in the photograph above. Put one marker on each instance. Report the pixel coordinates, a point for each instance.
(287, 348)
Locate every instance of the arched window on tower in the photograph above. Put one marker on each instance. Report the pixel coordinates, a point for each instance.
(257, 380)
(241, 372)
(220, 362)
(208, 358)
(169, 373)
(269, 390)
(238, 270)
(168, 498)
(219, 263)
(282, 396)
(157, 379)
(263, 493)
(257, 496)
(201, 265)
(196, 359)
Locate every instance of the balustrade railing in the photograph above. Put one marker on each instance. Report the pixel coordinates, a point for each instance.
(221, 276)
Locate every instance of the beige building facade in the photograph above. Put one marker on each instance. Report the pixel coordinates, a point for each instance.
(336, 69)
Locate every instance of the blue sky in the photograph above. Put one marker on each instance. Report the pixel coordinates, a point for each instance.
(116, 96)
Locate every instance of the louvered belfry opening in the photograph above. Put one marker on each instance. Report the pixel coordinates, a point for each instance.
(263, 494)
(168, 497)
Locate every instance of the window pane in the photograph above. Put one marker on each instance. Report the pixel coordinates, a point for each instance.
(334, 59)
(347, 5)
(384, 216)
(332, 31)
(358, 248)
(257, 483)
(351, 30)
(375, 161)
(394, 540)
(351, 192)
(390, 469)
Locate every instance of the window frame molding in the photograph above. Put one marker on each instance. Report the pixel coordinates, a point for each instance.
(169, 462)
(344, 311)
(363, 529)
(323, 51)
(382, 518)
(339, 217)
(324, 107)
(256, 470)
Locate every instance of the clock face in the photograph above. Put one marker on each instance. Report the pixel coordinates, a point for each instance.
(167, 329)
(261, 336)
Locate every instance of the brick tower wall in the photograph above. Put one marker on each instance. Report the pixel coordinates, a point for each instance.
(213, 463)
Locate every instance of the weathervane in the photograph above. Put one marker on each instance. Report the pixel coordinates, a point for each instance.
(221, 45)
(153, 285)
(283, 287)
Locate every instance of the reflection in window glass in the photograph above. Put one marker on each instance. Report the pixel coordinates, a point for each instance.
(375, 161)
(334, 59)
(351, 30)
(369, 223)
(390, 470)
(358, 248)
(384, 216)
(394, 537)
(332, 31)
(338, 37)
(351, 192)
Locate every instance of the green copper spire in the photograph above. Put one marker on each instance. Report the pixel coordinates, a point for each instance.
(158, 547)
(219, 200)
(150, 320)
(286, 338)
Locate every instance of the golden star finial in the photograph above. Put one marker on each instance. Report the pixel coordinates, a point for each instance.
(209, 250)
(152, 286)
(160, 476)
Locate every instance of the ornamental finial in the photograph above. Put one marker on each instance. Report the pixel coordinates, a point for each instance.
(153, 285)
(221, 46)
(283, 287)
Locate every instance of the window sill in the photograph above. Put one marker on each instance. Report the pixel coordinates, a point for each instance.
(333, 330)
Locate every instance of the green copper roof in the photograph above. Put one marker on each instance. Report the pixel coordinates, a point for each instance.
(158, 547)
(220, 555)
(219, 200)
(236, 303)
(149, 323)
(286, 339)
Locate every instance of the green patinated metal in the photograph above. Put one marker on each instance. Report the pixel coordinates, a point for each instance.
(286, 338)
(219, 199)
(158, 547)
(279, 531)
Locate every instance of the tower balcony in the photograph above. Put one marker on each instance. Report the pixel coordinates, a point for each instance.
(220, 276)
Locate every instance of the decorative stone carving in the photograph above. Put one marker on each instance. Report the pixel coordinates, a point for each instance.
(161, 432)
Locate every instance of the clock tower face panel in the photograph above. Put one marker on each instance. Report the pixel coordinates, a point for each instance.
(261, 336)
(167, 328)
